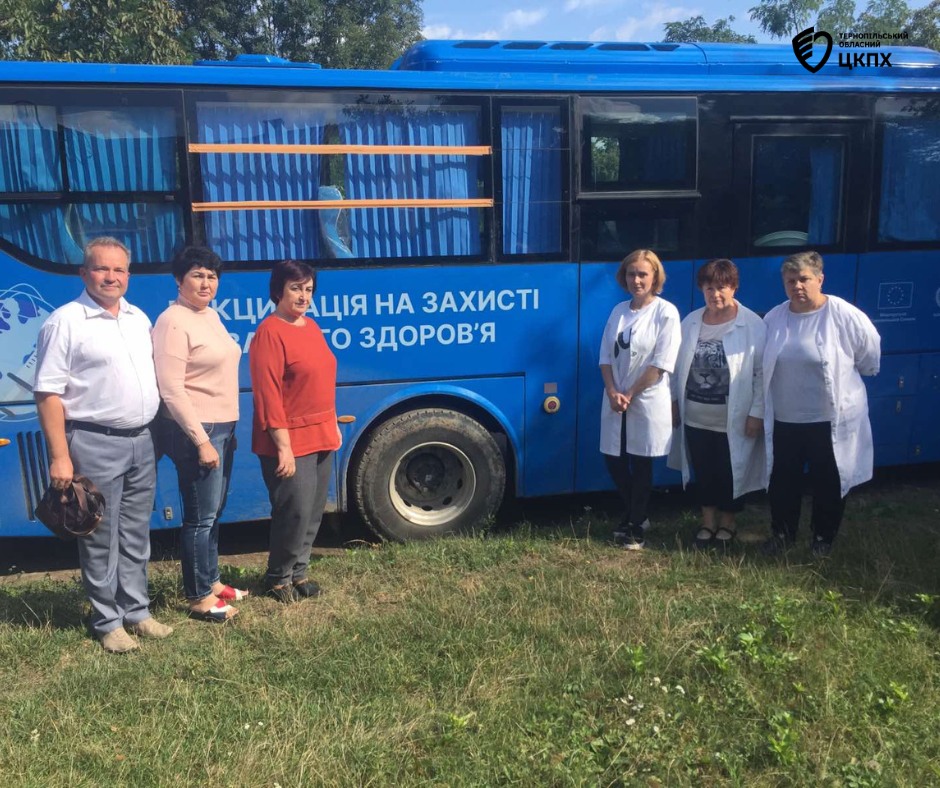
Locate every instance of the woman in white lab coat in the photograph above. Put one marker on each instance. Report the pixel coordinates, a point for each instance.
(816, 407)
(637, 355)
(718, 403)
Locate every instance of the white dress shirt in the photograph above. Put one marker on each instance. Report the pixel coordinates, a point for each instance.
(100, 365)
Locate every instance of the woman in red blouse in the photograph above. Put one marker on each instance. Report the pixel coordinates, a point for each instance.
(294, 434)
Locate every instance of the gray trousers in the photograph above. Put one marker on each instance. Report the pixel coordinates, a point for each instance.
(297, 505)
(114, 558)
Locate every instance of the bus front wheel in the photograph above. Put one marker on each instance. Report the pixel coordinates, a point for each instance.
(428, 472)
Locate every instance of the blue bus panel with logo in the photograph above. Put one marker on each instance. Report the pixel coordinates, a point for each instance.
(466, 212)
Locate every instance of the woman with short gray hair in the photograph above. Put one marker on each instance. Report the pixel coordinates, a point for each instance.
(815, 405)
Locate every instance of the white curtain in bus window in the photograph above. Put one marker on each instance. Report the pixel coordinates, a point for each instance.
(531, 163)
(637, 144)
(127, 158)
(797, 190)
(266, 234)
(910, 170)
(395, 232)
(30, 165)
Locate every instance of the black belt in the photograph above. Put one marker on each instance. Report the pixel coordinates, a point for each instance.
(121, 432)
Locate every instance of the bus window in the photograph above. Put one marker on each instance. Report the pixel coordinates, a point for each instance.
(299, 179)
(532, 146)
(797, 185)
(400, 232)
(638, 144)
(271, 234)
(121, 178)
(909, 131)
(611, 228)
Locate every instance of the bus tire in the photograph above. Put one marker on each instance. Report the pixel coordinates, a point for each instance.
(426, 473)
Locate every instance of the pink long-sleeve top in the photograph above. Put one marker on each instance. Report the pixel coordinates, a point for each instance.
(197, 368)
(293, 376)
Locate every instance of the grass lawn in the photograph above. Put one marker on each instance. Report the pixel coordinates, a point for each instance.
(538, 655)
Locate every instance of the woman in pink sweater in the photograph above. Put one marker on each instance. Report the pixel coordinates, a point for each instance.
(197, 372)
(294, 434)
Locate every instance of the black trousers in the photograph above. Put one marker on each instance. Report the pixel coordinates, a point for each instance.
(796, 446)
(297, 504)
(633, 478)
(710, 457)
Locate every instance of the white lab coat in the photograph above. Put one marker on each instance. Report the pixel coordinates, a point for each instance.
(744, 348)
(654, 341)
(849, 347)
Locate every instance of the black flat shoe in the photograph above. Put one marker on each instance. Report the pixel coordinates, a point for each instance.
(307, 589)
(285, 593)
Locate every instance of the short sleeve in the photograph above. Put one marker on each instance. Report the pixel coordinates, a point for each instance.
(668, 339)
(53, 357)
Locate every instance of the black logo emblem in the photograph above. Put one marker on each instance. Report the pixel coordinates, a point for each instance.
(803, 48)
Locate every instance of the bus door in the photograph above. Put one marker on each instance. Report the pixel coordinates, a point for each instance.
(798, 185)
(806, 185)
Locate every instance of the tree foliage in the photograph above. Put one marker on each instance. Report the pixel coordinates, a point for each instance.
(924, 26)
(334, 33)
(118, 31)
(697, 29)
(785, 18)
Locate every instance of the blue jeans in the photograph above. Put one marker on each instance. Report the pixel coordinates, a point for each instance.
(202, 492)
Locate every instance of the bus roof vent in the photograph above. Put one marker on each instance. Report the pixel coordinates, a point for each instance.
(623, 47)
(515, 56)
(257, 61)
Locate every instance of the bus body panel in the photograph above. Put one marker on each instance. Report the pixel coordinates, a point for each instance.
(501, 398)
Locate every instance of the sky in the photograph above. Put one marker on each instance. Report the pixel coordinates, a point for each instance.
(582, 20)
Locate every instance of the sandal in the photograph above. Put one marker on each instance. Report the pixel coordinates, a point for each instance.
(727, 540)
(230, 594)
(217, 614)
(704, 542)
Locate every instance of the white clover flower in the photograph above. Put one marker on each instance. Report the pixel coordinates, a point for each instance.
(656, 681)
(655, 729)
(680, 689)
(630, 722)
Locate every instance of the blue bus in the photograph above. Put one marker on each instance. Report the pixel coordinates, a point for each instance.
(467, 210)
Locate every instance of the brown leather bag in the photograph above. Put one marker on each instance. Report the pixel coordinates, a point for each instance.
(74, 511)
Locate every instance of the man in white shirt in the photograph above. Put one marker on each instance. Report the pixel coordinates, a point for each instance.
(96, 395)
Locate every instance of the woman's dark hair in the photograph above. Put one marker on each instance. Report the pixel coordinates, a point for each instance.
(286, 271)
(720, 272)
(195, 257)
